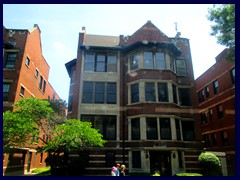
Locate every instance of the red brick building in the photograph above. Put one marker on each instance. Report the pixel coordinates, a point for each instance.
(25, 74)
(216, 94)
(139, 92)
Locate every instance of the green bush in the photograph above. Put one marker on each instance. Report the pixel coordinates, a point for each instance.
(188, 174)
(210, 164)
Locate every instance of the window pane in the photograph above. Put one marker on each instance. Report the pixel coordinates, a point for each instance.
(11, 59)
(27, 61)
(134, 62)
(89, 62)
(6, 88)
(165, 128)
(87, 96)
(112, 63)
(215, 87)
(174, 89)
(162, 92)
(184, 96)
(99, 92)
(111, 93)
(172, 64)
(40, 82)
(160, 60)
(98, 123)
(100, 67)
(135, 125)
(134, 93)
(178, 131)
(150, 92)
(151, 128)
(181, 68)
(188, 130)
(148, 59)
(110, 127)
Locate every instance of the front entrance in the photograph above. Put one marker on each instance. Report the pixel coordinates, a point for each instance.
(160, 160)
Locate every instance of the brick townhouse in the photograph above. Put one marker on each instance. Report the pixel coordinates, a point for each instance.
(139, 91)
(25, 74)
(216, 94)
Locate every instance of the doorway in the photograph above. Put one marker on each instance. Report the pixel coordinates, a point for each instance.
(161, 161)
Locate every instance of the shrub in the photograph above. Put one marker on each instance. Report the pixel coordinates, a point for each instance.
(210, 164)
(188, 174)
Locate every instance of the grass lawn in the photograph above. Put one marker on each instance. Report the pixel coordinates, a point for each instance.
(45, 171)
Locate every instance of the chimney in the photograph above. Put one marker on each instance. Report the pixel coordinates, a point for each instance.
(84, 29)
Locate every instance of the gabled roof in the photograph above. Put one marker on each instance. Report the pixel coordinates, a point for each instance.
(148, 33)
(99, 40)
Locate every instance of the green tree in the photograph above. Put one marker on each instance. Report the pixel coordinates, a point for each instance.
(223, 28)
(210, 164)
(31, 116)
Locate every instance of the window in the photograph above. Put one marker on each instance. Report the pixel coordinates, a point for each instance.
(101, 92)
(220, 111)
(44, 86)
(178, 131)
(134, 93)
(181, 67)
(204, 117)
(210, 113)
(27, 62)
(214, 138)
(134, 62)
(215, 87)
(148, 59)
(174, 89)
(136, 159)
(224, 138)
(151, 125)
(87, 92)
(165, 129)
(150, 92)
(206, 138)
(40, 82)
(184, 96)
(100, 64)
(172, 64)
(160, 61)
(207, 92)
(105, 124)
(6, 88)
(112, 63)
(111, 93)
(162, 92)
(11, 59)
(22, 90)
(89, 62)
(135, 126)
(233, 75)
(188, 130)
(201, 95)
(36, 73)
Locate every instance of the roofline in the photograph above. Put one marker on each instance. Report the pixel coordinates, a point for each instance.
(128, 48)
(69, 64)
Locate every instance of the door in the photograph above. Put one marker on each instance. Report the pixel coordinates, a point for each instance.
(29, 161)
(161, 161)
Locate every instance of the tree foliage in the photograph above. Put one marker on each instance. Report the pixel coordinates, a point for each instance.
(210, 163)
(223, 28)
(33, 115)
(74, 135)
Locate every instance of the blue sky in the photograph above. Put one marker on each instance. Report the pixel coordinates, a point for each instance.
(60, 25)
